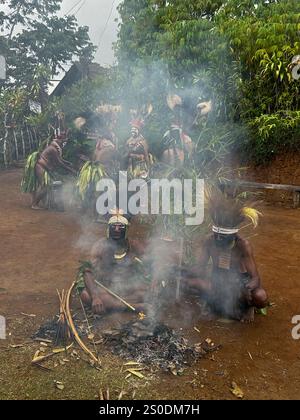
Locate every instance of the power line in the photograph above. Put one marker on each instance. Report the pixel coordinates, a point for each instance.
(73, 7)
(80, 7)
(106, 24)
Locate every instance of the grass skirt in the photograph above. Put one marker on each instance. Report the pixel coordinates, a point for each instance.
(30, 182)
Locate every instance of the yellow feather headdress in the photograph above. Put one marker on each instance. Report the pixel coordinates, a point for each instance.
(230, 212)
(252, 214)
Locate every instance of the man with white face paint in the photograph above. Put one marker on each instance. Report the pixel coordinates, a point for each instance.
(118, 263)
(234, 288)
(138, 159)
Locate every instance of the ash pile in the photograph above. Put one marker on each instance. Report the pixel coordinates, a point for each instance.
(155, 344)
(48, 331)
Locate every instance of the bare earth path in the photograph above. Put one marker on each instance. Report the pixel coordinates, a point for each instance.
(38, 255)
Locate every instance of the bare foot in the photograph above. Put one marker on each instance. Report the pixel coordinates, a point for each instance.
(85, 297)
(248, 316)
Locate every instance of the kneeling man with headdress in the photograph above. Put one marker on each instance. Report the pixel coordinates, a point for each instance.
(116, 263)
(233, 288)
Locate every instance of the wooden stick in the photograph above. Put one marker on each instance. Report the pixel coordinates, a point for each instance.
(63, 332)
(88, 324)
(115, 296)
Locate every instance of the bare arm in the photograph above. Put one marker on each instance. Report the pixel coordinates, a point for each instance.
(189, 145)
(125, 159)
(66, 165)
(199, 270)
(57, 160)
(250, 266)
(146, 149)
(89, 278)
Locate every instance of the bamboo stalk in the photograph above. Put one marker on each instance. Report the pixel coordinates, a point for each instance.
(63, 332)
(115, 296)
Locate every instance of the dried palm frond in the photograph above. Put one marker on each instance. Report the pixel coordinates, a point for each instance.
(89, 176)
(30, 181)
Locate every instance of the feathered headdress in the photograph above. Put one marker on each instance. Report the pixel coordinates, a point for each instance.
(138, 118)
(228, 213)
(107, 109)
(175, 103)
(295, 62)
(79, 122)
(100, 118)
(186, 111)
(117, 216)
(204, 108)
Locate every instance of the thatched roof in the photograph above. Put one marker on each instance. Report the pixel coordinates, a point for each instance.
(77, 72)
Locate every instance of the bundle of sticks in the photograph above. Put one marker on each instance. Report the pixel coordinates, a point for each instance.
(64, 334)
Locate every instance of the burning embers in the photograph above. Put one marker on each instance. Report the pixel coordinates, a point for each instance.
(144, 341)
(155, 344)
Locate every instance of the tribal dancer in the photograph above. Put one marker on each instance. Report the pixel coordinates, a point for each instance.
(106, 154)
(105, 160)
(138, 159)
(41, 167)
(106, 151)
(116, 262)
(177, 146)
(234, 288)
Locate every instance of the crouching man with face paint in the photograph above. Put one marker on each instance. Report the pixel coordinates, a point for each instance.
(116, 263)
(234, 288)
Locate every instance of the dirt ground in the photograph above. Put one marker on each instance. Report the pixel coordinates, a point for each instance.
(39, 253)
(283, 169)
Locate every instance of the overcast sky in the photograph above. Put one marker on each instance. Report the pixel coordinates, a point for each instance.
(99, 16)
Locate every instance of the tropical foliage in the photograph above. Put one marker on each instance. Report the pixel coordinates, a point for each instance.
(237, 51)
(37, 45)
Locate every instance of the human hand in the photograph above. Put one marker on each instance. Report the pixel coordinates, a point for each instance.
(252, 285)
(97, 306)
